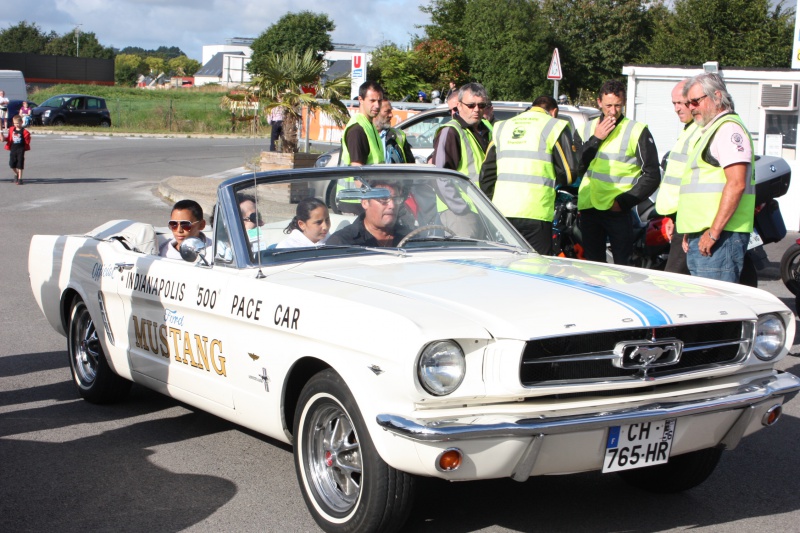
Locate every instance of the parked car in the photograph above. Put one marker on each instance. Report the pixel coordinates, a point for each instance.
(72, 109)
(421, 128)
(457, 354)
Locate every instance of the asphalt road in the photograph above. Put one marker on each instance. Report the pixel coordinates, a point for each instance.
(153, 464)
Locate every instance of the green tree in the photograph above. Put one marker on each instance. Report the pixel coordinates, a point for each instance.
(441, 62)
(291, 81)
(398, 71)
(83, 45)
(294, 31)
(165, 53)
(595, 38)
(507, 50)
(127, 68)
(24, 38)
(447, 21)
(155, 65)
(183, 66)
(737, 33)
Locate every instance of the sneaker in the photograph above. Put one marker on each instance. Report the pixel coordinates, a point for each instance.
(19, 182)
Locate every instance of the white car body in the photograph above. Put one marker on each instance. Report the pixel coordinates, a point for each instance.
(243, 340)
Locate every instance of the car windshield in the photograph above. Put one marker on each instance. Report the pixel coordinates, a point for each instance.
(55, 101)
(392, 209)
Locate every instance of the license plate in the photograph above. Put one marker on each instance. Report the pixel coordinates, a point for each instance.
(755, 240)
(638, 445)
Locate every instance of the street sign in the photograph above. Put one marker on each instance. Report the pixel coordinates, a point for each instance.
(358, 72)
(554, 72)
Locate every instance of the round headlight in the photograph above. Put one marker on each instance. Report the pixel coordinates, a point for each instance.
(441, 367)
(770, 337)
(323, 160)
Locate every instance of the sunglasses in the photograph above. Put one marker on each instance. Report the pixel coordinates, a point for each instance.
(482, 105)
(385, 201)
(694, 102)
(185, 225)
(253, 218)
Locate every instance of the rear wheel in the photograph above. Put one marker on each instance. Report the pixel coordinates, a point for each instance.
(105, 124)
(682, 472)
(95, 380)
(346, 485)
(790, 269)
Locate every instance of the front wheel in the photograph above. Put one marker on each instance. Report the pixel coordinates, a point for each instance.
(95, 380)
(790, 269)
(346, 485)
(682, 472)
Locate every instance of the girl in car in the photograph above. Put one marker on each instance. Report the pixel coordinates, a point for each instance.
(309, 227)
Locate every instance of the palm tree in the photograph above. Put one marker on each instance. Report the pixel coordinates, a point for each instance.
(291, 81)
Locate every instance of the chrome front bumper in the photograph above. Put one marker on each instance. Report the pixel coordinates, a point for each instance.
(783, 386)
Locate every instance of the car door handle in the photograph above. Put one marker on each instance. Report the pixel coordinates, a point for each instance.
(123, 266)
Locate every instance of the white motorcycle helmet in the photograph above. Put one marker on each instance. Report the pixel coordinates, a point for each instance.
(435, 94)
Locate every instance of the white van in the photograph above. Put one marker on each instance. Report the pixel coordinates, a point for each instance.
(13, 83)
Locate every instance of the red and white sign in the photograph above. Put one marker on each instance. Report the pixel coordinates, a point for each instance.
(554, 72)
(358, 72)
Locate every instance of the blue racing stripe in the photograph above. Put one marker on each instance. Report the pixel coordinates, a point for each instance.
(646, 312)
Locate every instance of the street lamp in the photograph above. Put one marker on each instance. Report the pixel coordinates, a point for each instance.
(78, 40)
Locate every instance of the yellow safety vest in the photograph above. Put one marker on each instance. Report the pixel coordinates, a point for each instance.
(526, 177)
(472, 155)
(667, 198)
(373, 137)
(702, 184)
(614, 170)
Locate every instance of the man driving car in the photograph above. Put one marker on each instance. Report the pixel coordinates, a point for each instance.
(377, 225)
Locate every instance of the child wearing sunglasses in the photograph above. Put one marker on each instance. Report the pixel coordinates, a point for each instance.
(186, 221)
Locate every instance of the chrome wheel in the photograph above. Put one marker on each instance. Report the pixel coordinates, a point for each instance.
(334, 458)
(85, 351)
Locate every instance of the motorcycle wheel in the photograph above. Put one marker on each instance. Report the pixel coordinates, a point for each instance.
(790, 269)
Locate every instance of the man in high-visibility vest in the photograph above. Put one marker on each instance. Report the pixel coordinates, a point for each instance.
(717, 196)
(667, 199)
(396, 148)
(361, 143)
(619, 163)
(531, 154)
(461, 145)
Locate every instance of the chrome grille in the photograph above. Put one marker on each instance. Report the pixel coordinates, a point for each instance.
(588, 357)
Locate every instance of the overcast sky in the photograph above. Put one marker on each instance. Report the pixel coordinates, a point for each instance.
(190, 24)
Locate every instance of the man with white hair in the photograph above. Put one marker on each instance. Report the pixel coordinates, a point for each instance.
(717, 194)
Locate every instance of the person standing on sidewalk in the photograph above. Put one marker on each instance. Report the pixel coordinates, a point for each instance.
(4, 109)
(275, 120)
(361, 142)
(667, 199)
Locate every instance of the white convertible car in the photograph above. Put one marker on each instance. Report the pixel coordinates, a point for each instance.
(455, 352)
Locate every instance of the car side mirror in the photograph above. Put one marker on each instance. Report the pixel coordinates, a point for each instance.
(192, 248)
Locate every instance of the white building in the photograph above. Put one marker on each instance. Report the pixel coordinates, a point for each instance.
(766, 99)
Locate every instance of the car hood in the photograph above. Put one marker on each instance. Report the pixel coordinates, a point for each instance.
(536, 296)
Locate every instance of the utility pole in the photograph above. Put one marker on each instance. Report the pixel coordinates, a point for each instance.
(78, 40)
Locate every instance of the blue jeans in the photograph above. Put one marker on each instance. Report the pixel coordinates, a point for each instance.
(726, 260)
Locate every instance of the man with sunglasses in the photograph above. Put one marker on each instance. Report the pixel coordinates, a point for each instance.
(667, 199)
(186, 221)
(461, 145)
(717, 195)
(619, 164)
(378, 225)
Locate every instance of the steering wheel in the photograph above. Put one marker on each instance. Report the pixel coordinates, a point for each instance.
(420, 229)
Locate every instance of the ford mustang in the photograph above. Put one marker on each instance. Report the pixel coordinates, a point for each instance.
(447, 349)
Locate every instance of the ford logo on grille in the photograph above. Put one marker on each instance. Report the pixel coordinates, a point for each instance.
(647, 354)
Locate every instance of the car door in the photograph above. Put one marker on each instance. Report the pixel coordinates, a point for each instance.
(94, 111)
(74, 111)
(175, 326)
